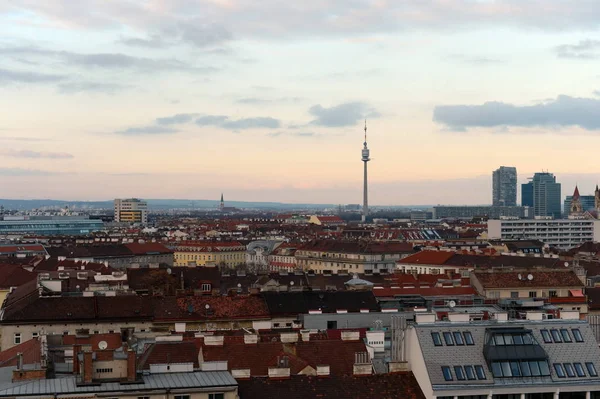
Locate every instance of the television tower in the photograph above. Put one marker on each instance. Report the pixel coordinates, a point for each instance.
(365, 159)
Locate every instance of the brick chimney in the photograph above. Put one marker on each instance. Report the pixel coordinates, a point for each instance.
(88, 367)
(131, 366)
(76, 349)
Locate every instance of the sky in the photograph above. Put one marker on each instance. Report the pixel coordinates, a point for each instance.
(266, 100)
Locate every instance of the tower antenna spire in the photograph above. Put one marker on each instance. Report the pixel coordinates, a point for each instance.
(365, 131)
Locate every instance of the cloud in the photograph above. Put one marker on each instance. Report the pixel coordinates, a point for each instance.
(176, 119)
(561, 112)
(474, 60)
(8, 76)
(183, 31)
(347, 114)
(28, 139)
(111, 61)
(238, 124)
(36, 154)
(91, 87)
(147, 130)
(259, 101)
(584, 50)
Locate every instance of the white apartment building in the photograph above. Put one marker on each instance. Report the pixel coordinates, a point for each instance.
(131, 210)
(560, 233)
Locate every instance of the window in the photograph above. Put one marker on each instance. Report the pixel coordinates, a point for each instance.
(469, 338)
(517, 339)
(460, 373)
(525, 369)
(546, 336)
(437, 341)
(565, 335)
(35, 335)
(216, 396)
(181, 397)
(470, 372)
(591, 369)
(448, 339)
(205, 287)
(552, 294)
(480, 372)
(544, 368)
(100, 371)
(17, 338)
(555, 336)
(560, 371)
(532, 294)
(143, 397)
(579, 369)
(447, 373)
(496, 369)
(577, 335)
(515, 369)
(514, 295)
(458, 338)
(535, 369)
(569, 369)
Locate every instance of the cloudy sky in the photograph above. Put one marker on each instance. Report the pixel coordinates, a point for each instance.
(265, 100)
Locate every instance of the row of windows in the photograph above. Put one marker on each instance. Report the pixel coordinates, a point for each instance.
(104, 371)
(453, 338)
(536, 368)
(562, 335)
(512, 339)
(574, 370)
(464, 373)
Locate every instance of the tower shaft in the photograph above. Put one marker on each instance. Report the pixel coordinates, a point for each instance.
(365, 195)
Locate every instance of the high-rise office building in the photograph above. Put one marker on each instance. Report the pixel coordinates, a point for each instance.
(504, 186)
(543, 193)
(131, 210)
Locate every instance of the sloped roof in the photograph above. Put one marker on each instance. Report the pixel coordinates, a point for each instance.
(428, 258)
(510, 279)
(169, 353)
(381, 386)
(291, 303)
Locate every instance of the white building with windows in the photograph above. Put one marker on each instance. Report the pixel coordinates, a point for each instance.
(559, 233)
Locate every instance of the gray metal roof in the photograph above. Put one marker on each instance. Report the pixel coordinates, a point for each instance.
(67, 385)
(437, 356)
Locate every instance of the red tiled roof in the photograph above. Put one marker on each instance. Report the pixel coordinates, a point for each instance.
(31, 350)
(148, 248)
(428, 258)
(219, 307)
(14, 276)
(549, 279)
(169, 353)
(113, 341)
(425, 292)
(381, 386)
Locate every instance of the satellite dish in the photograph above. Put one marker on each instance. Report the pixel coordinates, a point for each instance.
(169, 270)
(452, 304)
(207, 306)
(102, 345)
(239, 285)
(566, 264)
(520, 277)
(291, 283)
(530, 277)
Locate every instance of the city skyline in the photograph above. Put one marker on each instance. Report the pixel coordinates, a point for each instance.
(185, 99)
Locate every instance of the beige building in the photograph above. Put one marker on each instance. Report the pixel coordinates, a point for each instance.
(197, 253)
(328, 256)
(131, 210)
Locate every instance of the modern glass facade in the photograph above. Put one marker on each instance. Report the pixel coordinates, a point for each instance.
(527, 194)
(504, 186)
(49, 225)
(588, 203)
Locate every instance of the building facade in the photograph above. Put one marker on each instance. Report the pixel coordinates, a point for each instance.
(588, 203)
(559, 233)
(527, 194)
(504, 186)
(228, 253)
(49, 225)
(131, 210)
(469, 212)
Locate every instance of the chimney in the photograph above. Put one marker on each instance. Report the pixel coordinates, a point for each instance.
(362, 364)
(131, 366)
(19, 361)
(323, 370)
(350, 335)
(76, 359)
(88, 367)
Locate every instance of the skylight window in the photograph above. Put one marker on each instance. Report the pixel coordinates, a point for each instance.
(480, 372)
(546, 336)
(448, 339)
(470, 372)
(469, 338)
(556, 336)
(577, 335)
(460, 374)
(447, 373)
(579, 369)
(569, 369)
(458, 338)
(591, 369)
(437, 340)
(560, 371)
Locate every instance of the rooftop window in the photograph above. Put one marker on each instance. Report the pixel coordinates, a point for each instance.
(579, 369)
(569, 369)
(533, 368)
(480, 372)
(565, 335)
(437, 341)
(448, 339)
(470, 372)
(577, 335)
(560, 371)
(546, 336)
(460, 374)
(591, 369)
(469, 338)
(458, 338)
(447, 373)
(556, 336)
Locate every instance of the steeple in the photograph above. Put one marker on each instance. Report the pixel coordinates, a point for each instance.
(222, 204)
(576, 193)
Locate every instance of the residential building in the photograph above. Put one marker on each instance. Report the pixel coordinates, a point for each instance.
(131, 210)
(501, 358)
(21, 250)
(329, 256)
(120, 256)
(210, 253)
(48, 225)
(327, 221)
(559, 233)
(546, 195)
(258, 252)
(283, 258)
(469, 212)
(428, 262)
(504, 186)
